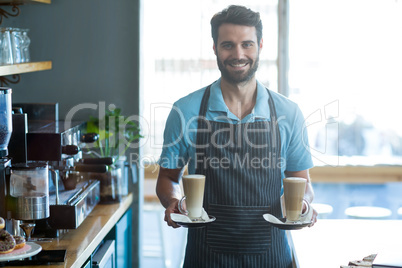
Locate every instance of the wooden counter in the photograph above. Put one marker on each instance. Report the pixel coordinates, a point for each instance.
(332, 243)
(81, 242)
(356, 174)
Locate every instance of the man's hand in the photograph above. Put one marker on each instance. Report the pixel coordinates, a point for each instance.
(314, 215)
(172, 208)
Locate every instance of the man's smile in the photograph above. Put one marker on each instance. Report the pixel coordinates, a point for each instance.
(237, 64)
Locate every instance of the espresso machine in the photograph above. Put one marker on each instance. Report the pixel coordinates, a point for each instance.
(24, 186)
(43, 151)
(71, 195)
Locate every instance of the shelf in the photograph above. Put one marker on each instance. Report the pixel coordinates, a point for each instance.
(19, 2)
(25, 67)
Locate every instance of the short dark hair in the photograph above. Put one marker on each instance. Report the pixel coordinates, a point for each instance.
(239, 15)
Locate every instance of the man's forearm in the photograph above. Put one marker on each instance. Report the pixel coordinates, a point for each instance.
(167, 191)
(309, 193)
(167, 186)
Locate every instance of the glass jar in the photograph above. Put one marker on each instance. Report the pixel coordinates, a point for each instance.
(26, 41)
(17, 44)
(6, 50)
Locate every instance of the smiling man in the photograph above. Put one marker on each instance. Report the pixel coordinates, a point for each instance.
(237, 56)
(245, 139)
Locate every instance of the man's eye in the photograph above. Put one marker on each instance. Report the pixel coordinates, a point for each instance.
(227, 46)
(247, 45)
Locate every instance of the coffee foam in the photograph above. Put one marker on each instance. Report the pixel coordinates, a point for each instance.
(295, 180)
(194, 176)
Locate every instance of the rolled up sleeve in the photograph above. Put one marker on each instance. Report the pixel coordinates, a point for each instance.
(298, 152)
(174, 152)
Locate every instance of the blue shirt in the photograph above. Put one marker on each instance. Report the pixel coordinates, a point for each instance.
(181, 128)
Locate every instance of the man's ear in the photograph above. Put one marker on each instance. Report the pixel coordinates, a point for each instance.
(214, 48)
(261, 42)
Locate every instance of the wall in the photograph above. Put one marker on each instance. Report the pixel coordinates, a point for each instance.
(93, 45)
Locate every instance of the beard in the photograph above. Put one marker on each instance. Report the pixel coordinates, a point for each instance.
(238, 77)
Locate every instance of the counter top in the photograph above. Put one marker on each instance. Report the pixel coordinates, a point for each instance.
(332, 243)
(81, 242)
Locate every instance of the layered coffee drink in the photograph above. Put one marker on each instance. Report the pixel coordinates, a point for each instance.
(294, 189)
(193, 186)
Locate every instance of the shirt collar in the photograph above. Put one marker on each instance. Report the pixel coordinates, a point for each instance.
(217, 104)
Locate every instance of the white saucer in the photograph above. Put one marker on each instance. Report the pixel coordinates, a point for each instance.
(30, 249)
(281, 223)
(185, 221)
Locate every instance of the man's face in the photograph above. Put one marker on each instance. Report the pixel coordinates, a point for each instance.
(237, 52)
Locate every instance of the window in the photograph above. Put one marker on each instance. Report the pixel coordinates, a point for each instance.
(345, 66)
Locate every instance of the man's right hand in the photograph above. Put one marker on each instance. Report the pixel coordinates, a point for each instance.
(172, 208)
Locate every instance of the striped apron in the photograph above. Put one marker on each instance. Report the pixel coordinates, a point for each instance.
(241, 163)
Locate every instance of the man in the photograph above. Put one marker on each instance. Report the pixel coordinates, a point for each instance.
(245, 139)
